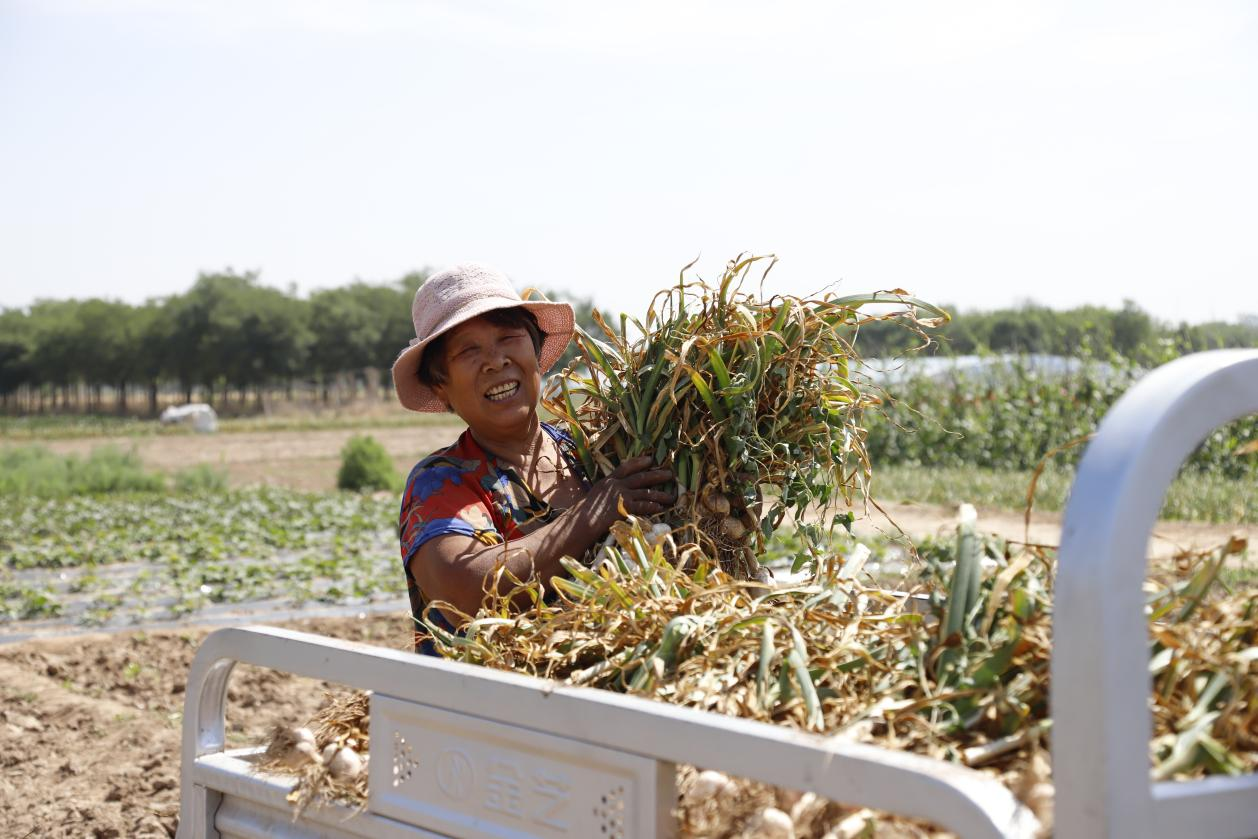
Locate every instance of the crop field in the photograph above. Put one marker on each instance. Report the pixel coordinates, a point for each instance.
(115, 561)
(121, 543)
(138, 559)
(1192, 497)
(104, 596)
(296, 458)
(158, 528)
(91, 561)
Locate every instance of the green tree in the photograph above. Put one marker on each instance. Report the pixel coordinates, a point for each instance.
(189, 324)
(583, 311)
(392, 304)
(107, 334)
(15, 352)
(56, 353)
(154, 345)
(1016, 331)
(346, 329)
(229, 330)
(273, 340)
(1133, 330)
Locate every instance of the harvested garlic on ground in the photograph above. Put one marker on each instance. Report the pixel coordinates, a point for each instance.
(772, 823)
(293, 747)
(345, 765)
(786, 798)
(806, 804)
(853, 825)
(303, 753)
(711, 784)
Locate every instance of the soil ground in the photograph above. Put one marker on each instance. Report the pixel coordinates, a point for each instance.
(90, 726)
(1168, 539)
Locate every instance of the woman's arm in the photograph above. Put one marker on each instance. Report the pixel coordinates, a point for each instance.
(454, 567)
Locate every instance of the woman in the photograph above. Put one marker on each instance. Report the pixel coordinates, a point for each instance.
(510, 491)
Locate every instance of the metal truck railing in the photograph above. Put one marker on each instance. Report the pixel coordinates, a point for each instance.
(1100, 668)
(464, 751)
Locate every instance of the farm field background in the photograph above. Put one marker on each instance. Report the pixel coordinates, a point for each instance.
(124, 585)
(286, 452)
(279, 542)
(958, 266)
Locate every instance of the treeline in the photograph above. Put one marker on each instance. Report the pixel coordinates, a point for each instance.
(227, 338)
(1086, 331)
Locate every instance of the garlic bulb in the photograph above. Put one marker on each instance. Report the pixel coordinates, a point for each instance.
(711, 784)
(345, 765)
(772, 823)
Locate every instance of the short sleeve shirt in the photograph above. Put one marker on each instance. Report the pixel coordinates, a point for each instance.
(463, 489)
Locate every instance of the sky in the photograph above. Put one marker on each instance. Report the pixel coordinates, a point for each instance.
(979, 154)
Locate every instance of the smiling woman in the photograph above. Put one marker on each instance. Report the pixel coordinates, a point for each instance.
(509, 495)
(454, 366)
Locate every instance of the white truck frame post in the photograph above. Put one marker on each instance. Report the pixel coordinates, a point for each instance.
(1100, 669)
(443, 723)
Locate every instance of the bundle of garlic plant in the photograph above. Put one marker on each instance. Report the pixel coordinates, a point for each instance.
(959, 674)
(832, 654)
(752, 402)
(328, 754)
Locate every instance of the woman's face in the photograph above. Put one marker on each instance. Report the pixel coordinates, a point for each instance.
(492, 378)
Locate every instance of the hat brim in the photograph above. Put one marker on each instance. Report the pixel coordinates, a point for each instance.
(555, 320)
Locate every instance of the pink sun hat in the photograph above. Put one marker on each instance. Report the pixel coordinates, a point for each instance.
(459, 294)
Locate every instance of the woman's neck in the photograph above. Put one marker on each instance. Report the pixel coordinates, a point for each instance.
(516, 449)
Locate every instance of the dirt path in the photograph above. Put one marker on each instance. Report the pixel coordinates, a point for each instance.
(306, 460)
(921, 520)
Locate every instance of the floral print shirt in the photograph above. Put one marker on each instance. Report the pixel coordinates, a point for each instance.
(464, 489)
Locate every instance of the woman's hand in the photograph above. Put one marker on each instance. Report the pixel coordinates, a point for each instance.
(636, 486)
(454, 567)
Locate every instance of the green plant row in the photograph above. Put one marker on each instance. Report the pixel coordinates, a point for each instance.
(1010, 419)
(36, 471)
(750, 402)
(1194, 495)
(137, 556)
(61, 427)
